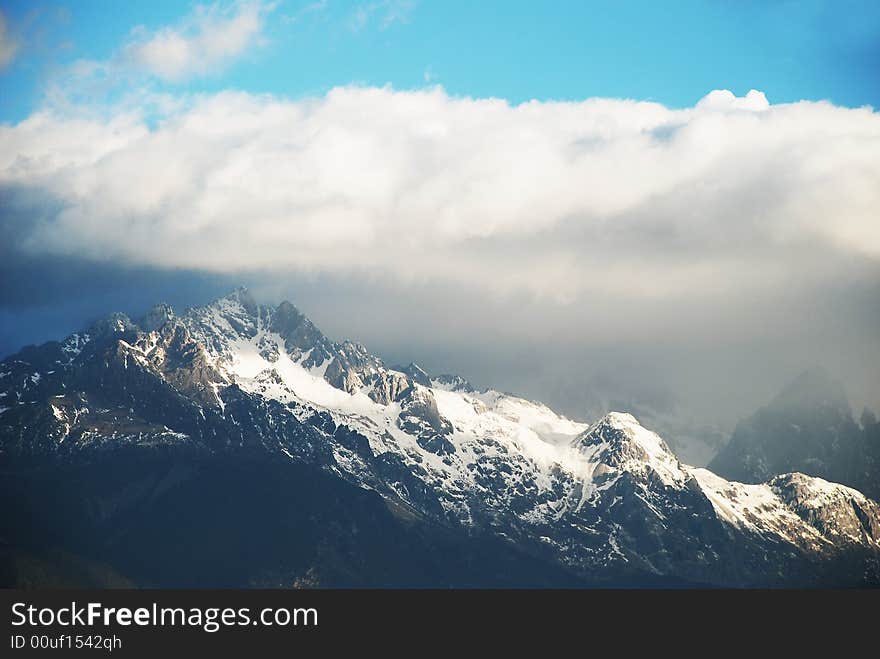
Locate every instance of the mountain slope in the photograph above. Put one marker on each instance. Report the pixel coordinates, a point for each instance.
(807, 428)
(601, 503)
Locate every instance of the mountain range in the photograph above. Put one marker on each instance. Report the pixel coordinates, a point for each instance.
(808, 427)
(237, 445)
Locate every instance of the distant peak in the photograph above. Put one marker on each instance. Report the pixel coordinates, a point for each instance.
(290, 313)
(112, 324)
(453, 383)
(243, 296)
(416, 372)
(288, 319)
(156, 317)
(814, 387)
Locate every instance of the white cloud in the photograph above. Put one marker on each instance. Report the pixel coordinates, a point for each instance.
(384, 12)
(204, 42)
(317, 7)
(724, 99)
(556, 198)
(8, 45)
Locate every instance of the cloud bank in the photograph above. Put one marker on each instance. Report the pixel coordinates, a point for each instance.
(554, 198)
(713, 251)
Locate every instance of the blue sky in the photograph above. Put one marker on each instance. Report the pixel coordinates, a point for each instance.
(672, 52)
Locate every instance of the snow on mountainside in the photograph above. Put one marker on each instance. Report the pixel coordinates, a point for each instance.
(587, 496)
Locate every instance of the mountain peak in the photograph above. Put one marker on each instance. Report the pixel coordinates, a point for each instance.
(621, 419)
(451, 382)
(812, 388)
(298, 331)
(416, 372)
(111, 325)
(156, 317)
(617, 427)
(619, 441)
(808, 427)
(243, 296)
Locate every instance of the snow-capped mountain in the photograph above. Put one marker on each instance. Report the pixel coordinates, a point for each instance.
(807, 427)
(693, 440)
(599, 501)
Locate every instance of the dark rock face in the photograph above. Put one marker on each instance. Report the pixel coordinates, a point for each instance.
(807, 428)
(117, 440)
(388, 386)
(156, 317)
(415, 373)
(838, 512)
(300, 334)
(353, 368)
(420, 417)
(182, 361)
(116, 325)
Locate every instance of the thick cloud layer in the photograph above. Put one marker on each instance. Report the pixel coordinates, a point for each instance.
(735, 229)
(554, 198)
